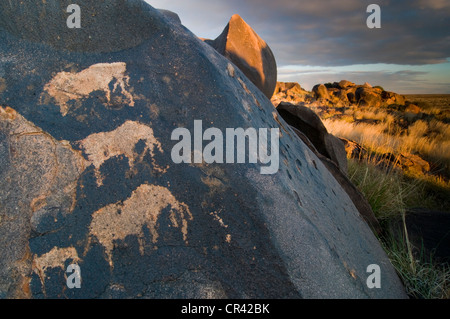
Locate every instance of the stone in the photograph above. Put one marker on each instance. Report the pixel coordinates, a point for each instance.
(321, 91)
(289, 88)
(353, 149)
(428, 233)
(290, 92)
(412, 108)
(345, 84)
(244, 47)
(368, 97)
(355, 195)
(310, 124)
(171, 15)
(413, 163)
(87, 176)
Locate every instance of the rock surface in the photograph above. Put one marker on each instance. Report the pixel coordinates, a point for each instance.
(358, 199)
(171, 15)
(87, 176)
(244, 47)
(310, 124)
(353, 149)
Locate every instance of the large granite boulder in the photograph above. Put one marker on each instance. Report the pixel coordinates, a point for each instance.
(244, 47)
(87, 175)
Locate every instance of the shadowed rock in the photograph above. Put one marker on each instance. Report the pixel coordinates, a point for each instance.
(310, 124)
(241, 45)
(87, 175)
(428, 232)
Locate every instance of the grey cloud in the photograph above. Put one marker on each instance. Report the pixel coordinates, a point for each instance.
(330, 32)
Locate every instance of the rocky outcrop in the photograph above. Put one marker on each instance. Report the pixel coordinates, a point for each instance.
(88, 177)
(412, 163)
(338, 94)
(243, 46)
(289, 89)
(290, 92)
(412, 108)
(346, 93)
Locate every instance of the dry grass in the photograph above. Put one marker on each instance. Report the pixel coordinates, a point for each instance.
(390, 194)
(431, 140)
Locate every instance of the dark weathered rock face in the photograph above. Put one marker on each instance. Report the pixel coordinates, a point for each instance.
(242, 45)
(310, 124)
(87, 175)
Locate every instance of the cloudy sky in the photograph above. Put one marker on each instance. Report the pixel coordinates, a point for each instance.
(319, 41)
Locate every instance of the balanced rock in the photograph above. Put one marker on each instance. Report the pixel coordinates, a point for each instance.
(243, 46)
(88, 179)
